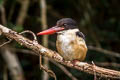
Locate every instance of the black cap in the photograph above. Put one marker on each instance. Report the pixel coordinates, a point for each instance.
(67, 23)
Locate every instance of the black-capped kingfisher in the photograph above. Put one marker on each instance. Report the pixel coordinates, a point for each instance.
(70, 41)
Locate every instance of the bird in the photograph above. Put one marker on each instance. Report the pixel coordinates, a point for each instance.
(70, 41)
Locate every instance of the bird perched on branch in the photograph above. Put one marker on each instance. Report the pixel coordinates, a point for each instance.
(70, 41)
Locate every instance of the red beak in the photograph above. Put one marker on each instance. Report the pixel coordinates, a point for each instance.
(51, 31)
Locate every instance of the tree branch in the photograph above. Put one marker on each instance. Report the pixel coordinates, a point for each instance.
(82, 66)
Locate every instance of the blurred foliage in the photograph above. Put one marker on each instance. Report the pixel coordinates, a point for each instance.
(99, 20)
(17, 28)
(1, 1)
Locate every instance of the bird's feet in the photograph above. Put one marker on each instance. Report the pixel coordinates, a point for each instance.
(74, 61)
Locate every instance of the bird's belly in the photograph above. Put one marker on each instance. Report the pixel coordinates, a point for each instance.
(69, 49)
(66, 51)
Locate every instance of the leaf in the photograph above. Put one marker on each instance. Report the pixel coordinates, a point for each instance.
(1, 1)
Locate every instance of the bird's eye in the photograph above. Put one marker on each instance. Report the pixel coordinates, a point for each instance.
(64, 24)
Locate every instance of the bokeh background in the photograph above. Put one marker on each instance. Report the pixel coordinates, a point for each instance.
(99, 20)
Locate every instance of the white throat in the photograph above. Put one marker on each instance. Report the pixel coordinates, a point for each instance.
(67, 36)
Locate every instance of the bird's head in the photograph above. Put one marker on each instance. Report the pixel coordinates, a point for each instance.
(62, 24)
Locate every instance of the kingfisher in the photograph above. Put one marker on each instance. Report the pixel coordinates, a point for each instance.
(70, 41)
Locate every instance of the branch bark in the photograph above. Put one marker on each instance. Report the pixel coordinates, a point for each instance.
(82, 66)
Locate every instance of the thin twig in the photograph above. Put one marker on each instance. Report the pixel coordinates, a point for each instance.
(50, 72)
(107, 52)
(9, 40)
(105, 64)
(33, 34)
